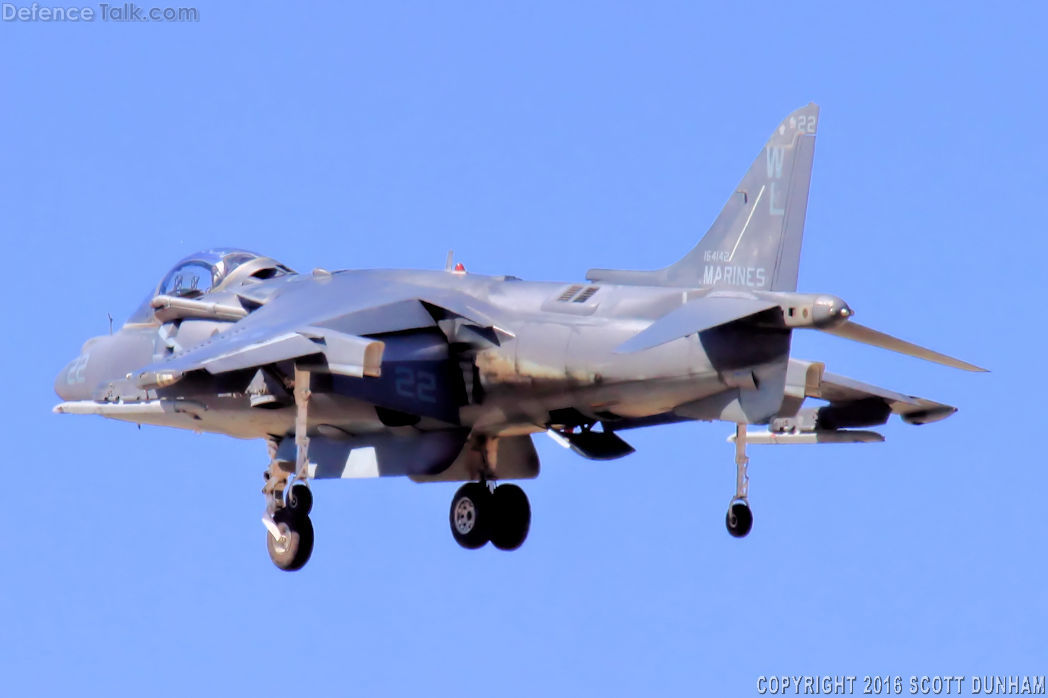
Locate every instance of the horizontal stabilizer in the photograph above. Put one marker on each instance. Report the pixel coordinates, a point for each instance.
(860, 333)
(696, 316)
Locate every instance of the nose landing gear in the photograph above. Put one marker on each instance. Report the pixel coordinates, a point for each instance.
(289, 530)
(292, 543)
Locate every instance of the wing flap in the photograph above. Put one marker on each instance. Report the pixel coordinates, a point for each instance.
(349, 355)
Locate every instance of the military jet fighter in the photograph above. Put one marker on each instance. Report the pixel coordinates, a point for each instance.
(445, 375)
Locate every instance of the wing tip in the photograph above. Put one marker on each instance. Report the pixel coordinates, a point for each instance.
(936, 413)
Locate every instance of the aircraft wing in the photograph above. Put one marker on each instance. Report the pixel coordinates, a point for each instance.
(346, 354)
(331, 317)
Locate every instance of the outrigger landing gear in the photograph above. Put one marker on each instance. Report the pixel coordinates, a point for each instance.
(289, 537)
(739, 518)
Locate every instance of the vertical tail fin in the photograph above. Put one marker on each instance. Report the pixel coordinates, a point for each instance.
(756, 240)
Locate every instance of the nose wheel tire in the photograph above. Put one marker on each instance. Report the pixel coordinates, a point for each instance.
(300, 500)
(470, 511)
(511, 519)
(739, 519)
(292, 550)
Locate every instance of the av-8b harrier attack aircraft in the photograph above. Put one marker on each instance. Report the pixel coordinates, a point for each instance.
(445, 376)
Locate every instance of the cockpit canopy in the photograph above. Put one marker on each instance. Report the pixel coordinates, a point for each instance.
(209, 270)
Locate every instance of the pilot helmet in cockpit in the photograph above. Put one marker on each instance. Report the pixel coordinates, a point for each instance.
(205, 271)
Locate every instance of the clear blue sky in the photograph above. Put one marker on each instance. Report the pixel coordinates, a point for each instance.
(537, 139)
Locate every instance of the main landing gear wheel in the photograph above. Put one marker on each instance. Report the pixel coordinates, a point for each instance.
(470, 510)
(511, 517)
(739, 519)
(292, 550)
(479, 515)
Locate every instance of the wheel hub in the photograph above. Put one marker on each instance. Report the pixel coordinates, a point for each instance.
(465, 515)
(281, 544)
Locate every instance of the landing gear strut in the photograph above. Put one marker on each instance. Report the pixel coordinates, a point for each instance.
(739, 518)
(480, 514)
(289, 536)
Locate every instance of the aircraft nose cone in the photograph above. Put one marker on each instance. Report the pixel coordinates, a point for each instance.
(60, 383)
(69, 383)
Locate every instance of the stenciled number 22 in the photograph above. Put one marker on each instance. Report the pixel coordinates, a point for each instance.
(416, 384)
